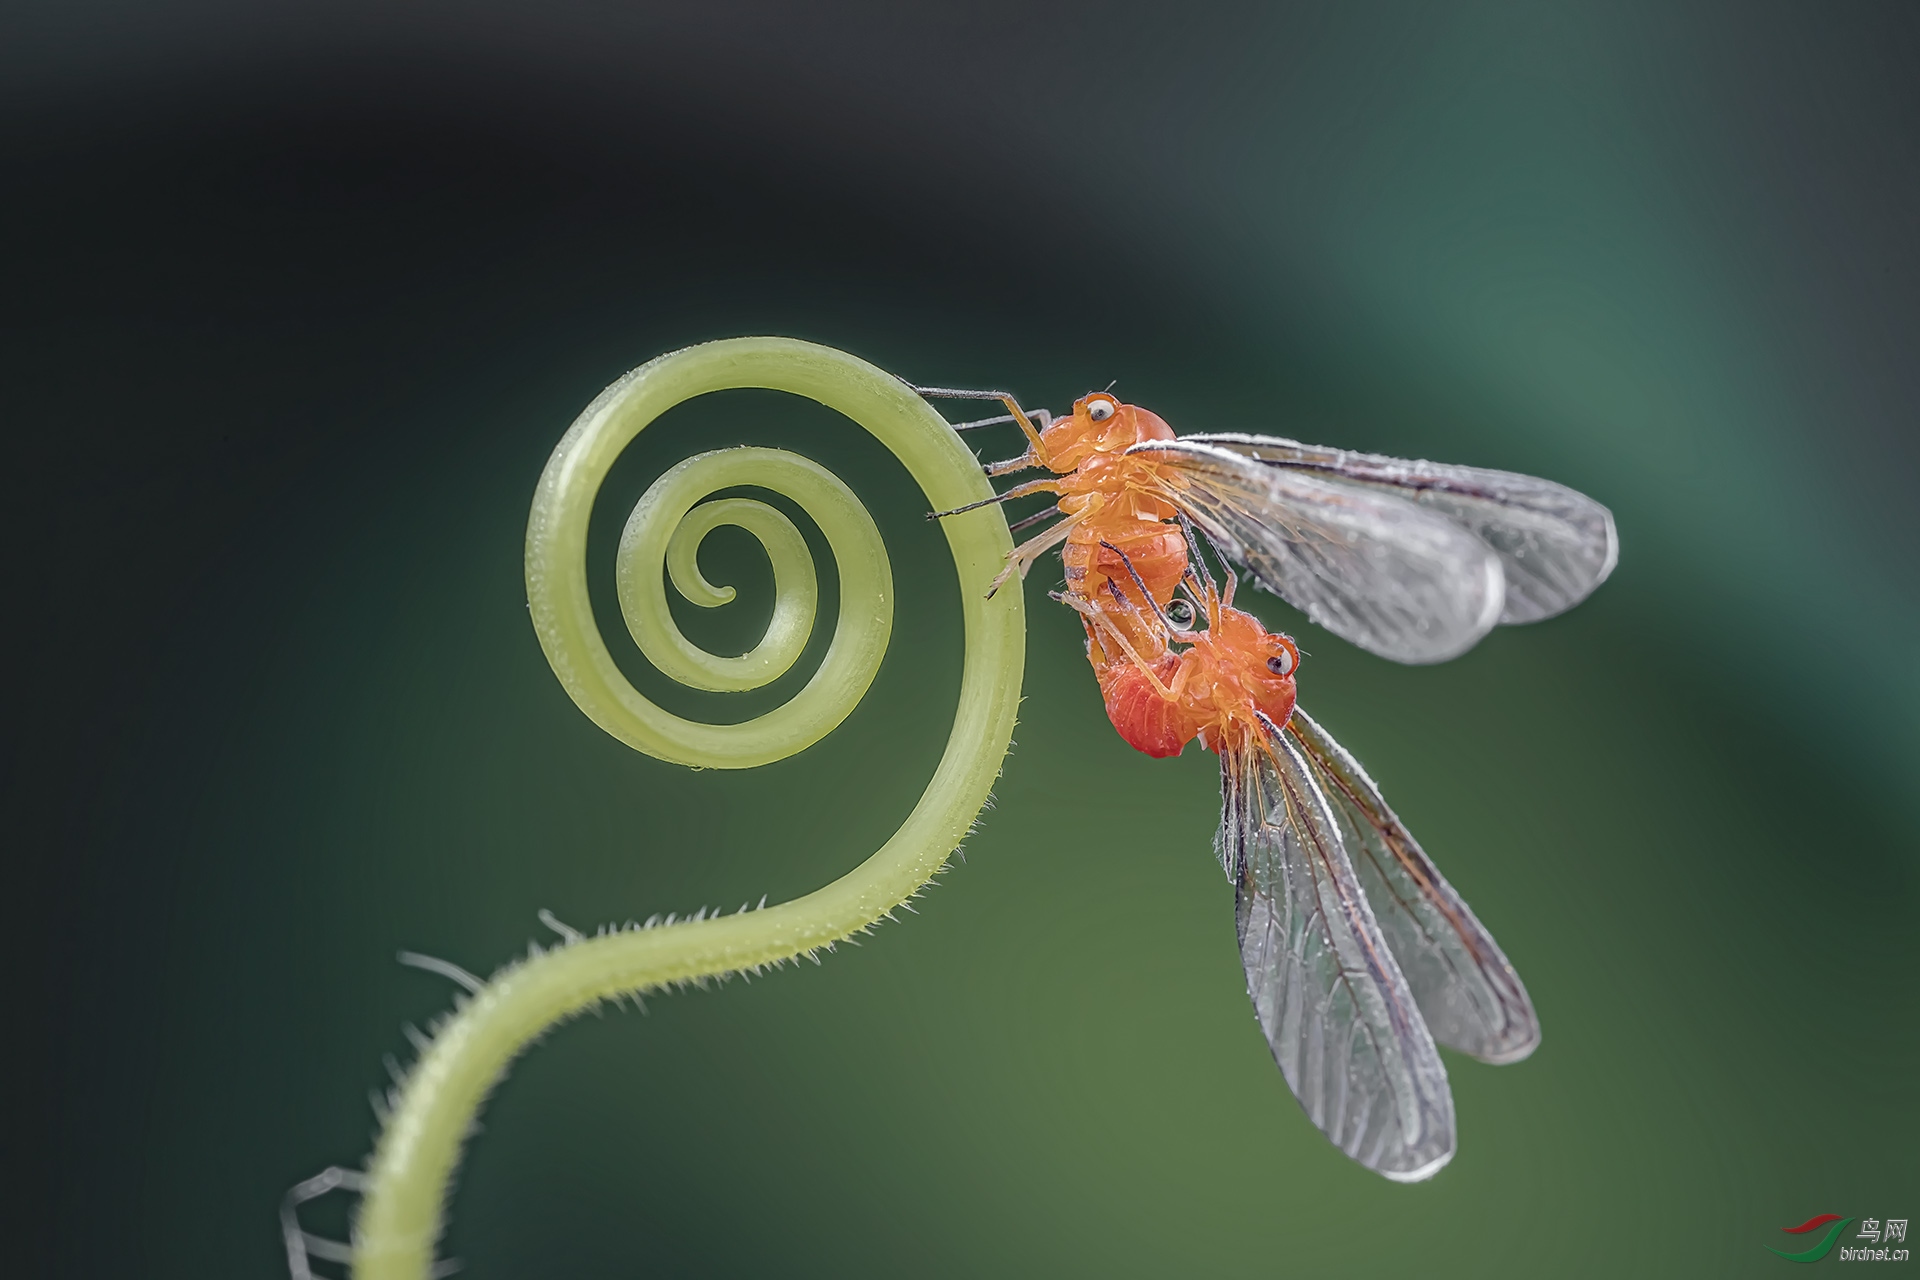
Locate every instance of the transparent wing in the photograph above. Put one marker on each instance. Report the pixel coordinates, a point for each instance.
(1342, 1024)
(1470, 996)
(1556, 544)
(1394, 577)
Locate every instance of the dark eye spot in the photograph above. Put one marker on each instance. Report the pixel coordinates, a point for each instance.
(1281, 664)
(1180, 614)
(1100, 410)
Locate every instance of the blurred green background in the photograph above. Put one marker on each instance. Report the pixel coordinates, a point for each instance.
(303, 297)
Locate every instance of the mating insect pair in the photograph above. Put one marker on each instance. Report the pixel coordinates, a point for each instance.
(1359, 955)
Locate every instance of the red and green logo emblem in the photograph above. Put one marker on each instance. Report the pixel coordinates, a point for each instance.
(1824, 1247)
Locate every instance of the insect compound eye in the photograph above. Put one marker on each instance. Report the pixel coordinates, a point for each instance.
(1281, 663)
(1100, 410)
(1180, 614)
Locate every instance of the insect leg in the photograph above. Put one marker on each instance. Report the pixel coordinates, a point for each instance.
(1112, 634)
(1007, 466)
(1205, 597)
(1046, 420)
(1034, 519)
(1126, 606)
(1018, 415)
(1100, 626)
(1022, 556)
(1201, 575)
(1195, 561)
(1018, 491)
(1226, 565)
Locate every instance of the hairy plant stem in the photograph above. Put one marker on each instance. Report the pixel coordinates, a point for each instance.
(401, 1217)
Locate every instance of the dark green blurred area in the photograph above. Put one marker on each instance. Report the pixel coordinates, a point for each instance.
(303, 304)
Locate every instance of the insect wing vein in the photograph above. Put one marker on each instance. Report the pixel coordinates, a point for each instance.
(1338, 1015)
(1371, 566)
(1555, 544)
(1467, 990)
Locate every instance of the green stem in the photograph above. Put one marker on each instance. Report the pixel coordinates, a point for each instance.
(401, 1218)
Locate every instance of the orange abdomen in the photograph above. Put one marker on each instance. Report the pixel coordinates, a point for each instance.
(1158, 553)
(1148, 721)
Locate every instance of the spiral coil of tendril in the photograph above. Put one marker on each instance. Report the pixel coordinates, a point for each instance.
(666, 527)
(400, 1218)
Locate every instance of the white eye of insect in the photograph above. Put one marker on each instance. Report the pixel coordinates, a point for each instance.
(1180, 613)
(1099, 410)
(1281, 663)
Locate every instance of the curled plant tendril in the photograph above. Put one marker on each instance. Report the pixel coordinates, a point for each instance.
(400, 1219)
(667, 526)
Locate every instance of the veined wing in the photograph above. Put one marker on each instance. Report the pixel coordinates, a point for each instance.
(1396, 578)
(1469, 994)
(1339, 1017)
(1556, 544)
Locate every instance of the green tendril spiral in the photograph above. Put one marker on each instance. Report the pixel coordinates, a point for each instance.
(400, 1220)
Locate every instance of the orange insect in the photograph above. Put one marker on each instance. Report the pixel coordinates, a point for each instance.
(1414, 561)
(1113, 512)
(1230, 679)
(1359, 955)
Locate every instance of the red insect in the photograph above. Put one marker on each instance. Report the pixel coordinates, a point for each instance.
(1359, 955)
(1226, 681)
